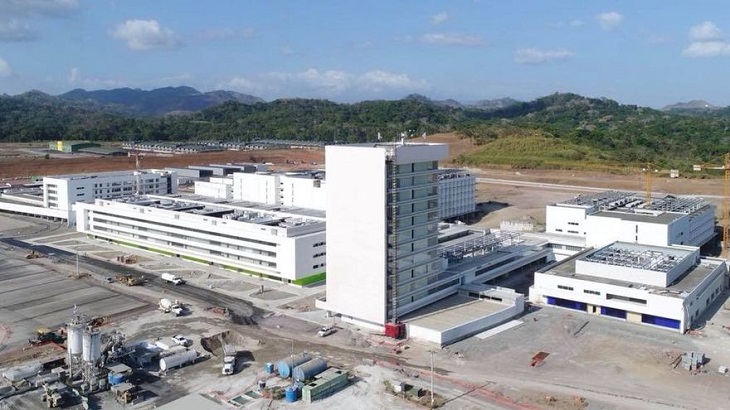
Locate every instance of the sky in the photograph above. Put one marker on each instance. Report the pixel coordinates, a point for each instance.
(648, 52)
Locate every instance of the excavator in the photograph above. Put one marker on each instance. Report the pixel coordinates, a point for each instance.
(45, 335)
(129, 280)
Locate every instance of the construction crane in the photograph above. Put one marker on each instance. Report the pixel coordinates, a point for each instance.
(137, 167)
(725, 199)
(647, 183)
(649, 170)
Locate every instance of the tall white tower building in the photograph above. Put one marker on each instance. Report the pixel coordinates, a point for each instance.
(382, 233)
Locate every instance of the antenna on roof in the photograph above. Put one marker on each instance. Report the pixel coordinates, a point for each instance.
(380, 137)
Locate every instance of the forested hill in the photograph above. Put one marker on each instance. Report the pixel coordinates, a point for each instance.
(612, 131)
(160, 101)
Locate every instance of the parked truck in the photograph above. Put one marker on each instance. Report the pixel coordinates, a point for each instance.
(169, 306)
(229, 359)
(174, 279)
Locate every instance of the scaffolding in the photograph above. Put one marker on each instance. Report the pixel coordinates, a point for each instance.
(646, 259)
(481, 245)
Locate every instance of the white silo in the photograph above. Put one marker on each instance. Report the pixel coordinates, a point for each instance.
(75, 332)
(91, 345)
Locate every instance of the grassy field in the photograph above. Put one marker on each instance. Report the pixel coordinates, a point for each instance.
(539, 152)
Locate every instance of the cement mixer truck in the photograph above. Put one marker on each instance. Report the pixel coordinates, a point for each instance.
(168, 306)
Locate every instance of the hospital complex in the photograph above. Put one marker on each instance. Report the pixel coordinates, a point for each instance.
(381, 226)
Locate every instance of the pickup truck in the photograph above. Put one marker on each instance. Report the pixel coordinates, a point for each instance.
(325, 331)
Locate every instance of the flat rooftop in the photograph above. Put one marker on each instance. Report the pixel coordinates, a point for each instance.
(646, 257)
(452, 312)
(282, 209)
(279, 216)
(684, 285)
(600, 199)
(107, 174)
(664, 218)
(627, 202)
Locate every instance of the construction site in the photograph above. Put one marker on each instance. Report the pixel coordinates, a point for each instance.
(93, 324)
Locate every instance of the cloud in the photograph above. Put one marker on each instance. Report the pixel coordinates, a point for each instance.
(226, 34)
(5, 70)
(13, 13)
(707, 41)
(326, 83)
(453, 39)
(144, 35)
(48, 8)
(705, 31)
(439, 18)
(536, 56)
(576, 23)
(16, 30)
(609, 20)
(707, 49)
(77, 79)
(74, 75)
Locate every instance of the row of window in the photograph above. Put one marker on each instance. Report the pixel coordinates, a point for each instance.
(588, 291)
(190, 247)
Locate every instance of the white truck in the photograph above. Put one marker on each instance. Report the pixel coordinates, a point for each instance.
(168, 306)
(229, 359)
(174, 279)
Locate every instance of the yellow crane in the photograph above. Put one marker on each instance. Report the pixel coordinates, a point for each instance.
(648, 170)
(725, 199)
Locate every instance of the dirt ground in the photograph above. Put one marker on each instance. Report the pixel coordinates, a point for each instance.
(19, 163)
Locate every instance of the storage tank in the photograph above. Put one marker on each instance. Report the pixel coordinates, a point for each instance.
(309, 369)
(269, 368)
(75, 332)
(287, 365)
(23, 372)
(91, 346)
(179, 359)
(115, 378)
(291, 394)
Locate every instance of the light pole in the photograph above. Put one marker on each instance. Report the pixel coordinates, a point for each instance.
(431, 351)
(77, 259)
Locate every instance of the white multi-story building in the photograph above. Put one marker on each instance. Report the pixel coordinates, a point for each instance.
(457, 193)
(61, 192)
(219, 188)
(280, 245)
(623, 216)
(665, 286)
(308, 189)
(382, 231)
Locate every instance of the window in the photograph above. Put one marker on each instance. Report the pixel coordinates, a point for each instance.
(558, 230)
(591, 292)
(563, 287)
(575, 232)
(573, 223)
(626, 299)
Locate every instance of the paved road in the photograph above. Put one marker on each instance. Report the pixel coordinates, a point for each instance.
(242, 312)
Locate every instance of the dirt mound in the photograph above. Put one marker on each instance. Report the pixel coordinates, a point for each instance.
(214, 344)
